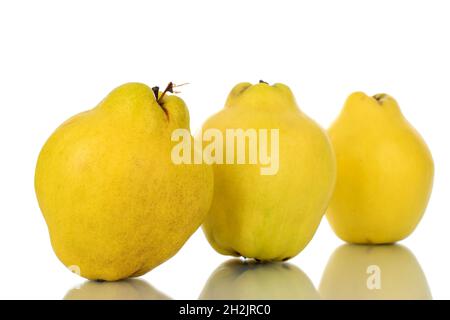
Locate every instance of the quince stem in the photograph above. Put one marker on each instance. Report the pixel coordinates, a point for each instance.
(169, 88)
(380, 97)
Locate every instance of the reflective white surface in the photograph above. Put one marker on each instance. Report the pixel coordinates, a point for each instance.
(352, 272)
(130, 289)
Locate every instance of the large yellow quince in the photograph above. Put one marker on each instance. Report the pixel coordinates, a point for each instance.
(268, 210)
(384, 172)
(115, 203)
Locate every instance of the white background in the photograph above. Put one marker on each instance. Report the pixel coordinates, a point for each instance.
(58, 58)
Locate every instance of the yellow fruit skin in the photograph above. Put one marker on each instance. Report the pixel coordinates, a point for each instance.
(270, 217)
(115, 204)
(238, 280)
(384, 172)
(346, 274)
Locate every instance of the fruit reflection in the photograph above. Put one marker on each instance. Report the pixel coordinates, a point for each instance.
(237, 279)
(373, 272)
(130, 289)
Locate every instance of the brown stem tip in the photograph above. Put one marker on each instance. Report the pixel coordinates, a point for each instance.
(156, 91)
(170, 88)
(380, 97)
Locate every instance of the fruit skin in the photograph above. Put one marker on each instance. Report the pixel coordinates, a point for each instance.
(270, 217)
(248, 280)
(346, 276)
(115, 204)
(129, 289)
(384, 172)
